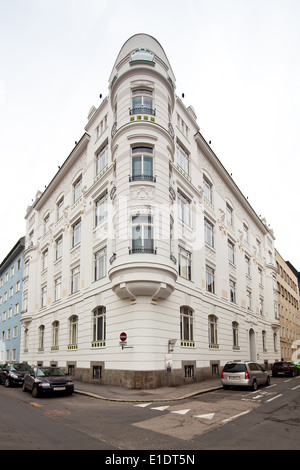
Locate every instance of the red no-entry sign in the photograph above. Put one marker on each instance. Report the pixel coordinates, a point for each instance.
(123, 336)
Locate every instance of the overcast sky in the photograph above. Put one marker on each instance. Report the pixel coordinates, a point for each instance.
(236, 61)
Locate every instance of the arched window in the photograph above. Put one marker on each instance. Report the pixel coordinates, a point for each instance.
(55, 330)
(41, 337)
(73, 332)
(235, 331)
(186, 324)
(99, 326)
(213, 331)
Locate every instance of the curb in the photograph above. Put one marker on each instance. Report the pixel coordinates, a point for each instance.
(127, 400)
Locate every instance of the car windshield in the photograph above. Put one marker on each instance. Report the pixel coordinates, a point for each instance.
(21, 367)
(234, 367)
(49, 372)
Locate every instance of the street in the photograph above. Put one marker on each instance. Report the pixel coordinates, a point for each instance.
(223, 419)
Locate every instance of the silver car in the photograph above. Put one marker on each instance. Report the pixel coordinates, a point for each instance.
(244, 374)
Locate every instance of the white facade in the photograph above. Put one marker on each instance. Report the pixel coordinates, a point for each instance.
(143, 231)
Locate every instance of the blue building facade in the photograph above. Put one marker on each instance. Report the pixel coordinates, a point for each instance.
(11, 287)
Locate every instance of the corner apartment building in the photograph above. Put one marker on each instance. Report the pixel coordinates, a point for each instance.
(11, 282)
(288, 309)
(147, 265)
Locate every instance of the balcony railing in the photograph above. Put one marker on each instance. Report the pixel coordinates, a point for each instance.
(142, 250)
(142, 110)
(142, 178)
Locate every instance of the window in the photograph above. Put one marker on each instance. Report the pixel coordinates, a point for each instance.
(235, 331)
(249, 299)
(46, 224)
(142, 102)
(75, 278)
(207, 186)
(44, 296)
(232, 291)
(26, 269)
(185, 258)
(229, 214)
(210, 279)
(73, 331)
(45, 260)
(101, 209)
(245, 233)
(261, 306)
(183, 159)
(142, 234)
(76, 238)
(184, 205)
(41, 337)
(18, 286)
(99, 325)
(258, 246)
(230, 251)
(100, 264)
(142, 164)
(57, 289)
(101, 159)
(77, 188)
(186, 324)
(247, 265)
(260, 276)
(60, 208)
(209, 233)
(55, 331)
(58, 248)
(264, 340)
(213, 331)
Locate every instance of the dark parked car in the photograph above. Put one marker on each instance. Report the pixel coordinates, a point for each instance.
(12, 373)
(284, 368)
(49, 380)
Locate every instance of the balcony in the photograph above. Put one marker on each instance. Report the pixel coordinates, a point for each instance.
(142, 110)
(143, 250)
(142, 178)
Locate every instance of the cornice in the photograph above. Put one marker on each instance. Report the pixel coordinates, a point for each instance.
(68, 163)
(216, 163)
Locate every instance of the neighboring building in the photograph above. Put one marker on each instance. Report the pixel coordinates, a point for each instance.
(11, 282)
(142, 231)
(288, 308)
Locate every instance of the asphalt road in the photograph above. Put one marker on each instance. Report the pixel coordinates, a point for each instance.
(223, 419)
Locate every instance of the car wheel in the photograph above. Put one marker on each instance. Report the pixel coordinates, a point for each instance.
(34, 391)
(254, 385)
(7, 383)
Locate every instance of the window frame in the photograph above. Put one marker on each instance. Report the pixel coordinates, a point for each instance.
(146, 226)
(185, 269)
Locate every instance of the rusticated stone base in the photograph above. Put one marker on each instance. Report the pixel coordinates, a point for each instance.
(141, 379)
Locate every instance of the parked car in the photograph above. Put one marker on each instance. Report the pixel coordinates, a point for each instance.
(244, 374)
(12, 373)
(48, 380)
(284, 368)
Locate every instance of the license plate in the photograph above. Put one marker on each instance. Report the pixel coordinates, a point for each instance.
(234, 378)
(57, 389)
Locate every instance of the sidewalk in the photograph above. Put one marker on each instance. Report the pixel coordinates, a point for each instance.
(114, 393)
